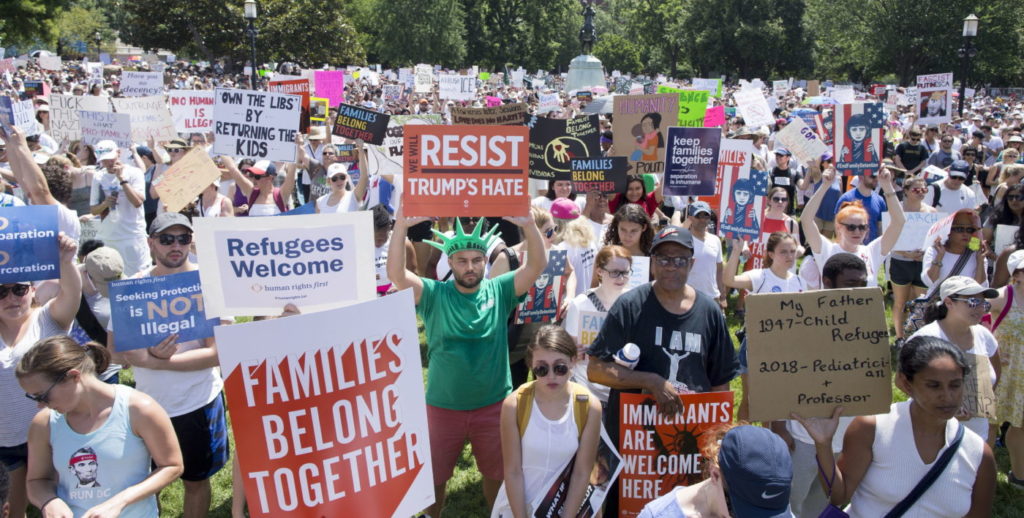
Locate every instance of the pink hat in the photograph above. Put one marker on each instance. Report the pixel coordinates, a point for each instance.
(564, 208)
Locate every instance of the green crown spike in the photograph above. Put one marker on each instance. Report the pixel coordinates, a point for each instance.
(463, 241)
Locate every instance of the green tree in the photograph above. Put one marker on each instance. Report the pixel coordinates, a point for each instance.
(416, 31)
(25, 22)
(80, 23)
(532, 33)
(618, 53)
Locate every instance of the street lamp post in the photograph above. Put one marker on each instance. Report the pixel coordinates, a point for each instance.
(98, 38)
(250, 16)
(966, 53)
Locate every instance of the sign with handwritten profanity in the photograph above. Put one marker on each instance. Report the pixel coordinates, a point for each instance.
(185, 179)
(142, 84)
(505, 115)
(149, 117)
(192, 110)
(811, 352)
(28, 244)
(359, 123)
(691, 163)
(146, 310)
(259, 125)
(605, 174)
(335, 423)
(456, 87)
(64, 122)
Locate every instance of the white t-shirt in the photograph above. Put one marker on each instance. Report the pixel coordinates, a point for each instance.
(124, 221)
(951, 200)
(346, 204)
(582, 261)
(948, 262)
(704, 273)
(765, 281)
(871, 254)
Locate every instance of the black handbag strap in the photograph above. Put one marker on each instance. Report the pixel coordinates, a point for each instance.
(929, 478)
(957, 268)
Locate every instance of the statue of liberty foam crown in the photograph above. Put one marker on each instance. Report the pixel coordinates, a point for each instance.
(463, 241)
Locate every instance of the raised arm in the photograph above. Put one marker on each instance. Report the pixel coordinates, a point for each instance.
(811, 230)
(364, 177)
(26, 172)
(891, 234)
(400, 276)
(729, 277)
(289, 182)
(64, 306)
(536, 256)
(241, 181)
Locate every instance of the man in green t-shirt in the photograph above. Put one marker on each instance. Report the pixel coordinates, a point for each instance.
(467, 345)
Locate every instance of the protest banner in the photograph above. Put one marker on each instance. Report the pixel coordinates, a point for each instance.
(801, 141)
(298, 87)
(254, 266)
(810, 352)
(185, 179)
(505, 115)
(691, 165)
(548, 103)
(28, 244)
(843, 94)
(915, 229)
(192, 110)
(20, 114)
(780, 88)
(334, 424)
(149, 117)
(741, 194)
(386, 159)
(97, 126)
(50, 62)
(607, 466)
(147, 310)
(605, 174)
(423, 79)
(554, 142)
(754, 107)
(659, 453)
(1005, 235)
(714, 117)
(466, 171)
(392, 92)
(456, 87)
(934, 104)
(354, 122)
(590, 323)
(545, 296)
(857, 138)
(813, 88)
(640, 271)
(318, 108)
(141, 84)
(258, 125)
(406, 77)
(979, 395)
(640, 129)
(329, 84)
(712, 86)
(692, 105)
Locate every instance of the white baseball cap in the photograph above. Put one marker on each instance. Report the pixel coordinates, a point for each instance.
(1015, 261)
(962, 285)
(106, 150)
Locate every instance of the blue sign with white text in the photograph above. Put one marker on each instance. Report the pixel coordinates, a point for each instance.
(28, 244)
(147, 310)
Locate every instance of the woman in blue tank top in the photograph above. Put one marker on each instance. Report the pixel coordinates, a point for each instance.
(92, 444)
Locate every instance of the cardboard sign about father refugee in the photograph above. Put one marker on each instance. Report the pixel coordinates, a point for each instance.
(28, 244)
(254, 266)
(142, 84)
(148, 309)
(554, 142)
(354, 122)
(192, 110)
(258, 125)
(184, 180)
(661, 453)
(605, 174)
(466, 171)
(149, 117)
(64, 121)
(811, 352)
(691, 164)
(337, 420)
(505, 115)
(640, 129)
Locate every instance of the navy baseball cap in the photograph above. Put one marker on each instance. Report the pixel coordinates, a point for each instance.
(671, 234)
(758, 472)
(959, 166)
(782, 151)
(697, 207)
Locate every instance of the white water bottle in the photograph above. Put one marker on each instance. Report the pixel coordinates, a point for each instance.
(628, 356)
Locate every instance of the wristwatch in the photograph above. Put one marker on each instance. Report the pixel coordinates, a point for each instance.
(937, 262)
(122, 182)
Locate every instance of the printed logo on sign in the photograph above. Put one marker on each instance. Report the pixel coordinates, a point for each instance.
(4, 258)
(3, 223)
(257, 288)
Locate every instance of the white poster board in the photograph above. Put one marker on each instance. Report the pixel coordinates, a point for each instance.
(258, 125)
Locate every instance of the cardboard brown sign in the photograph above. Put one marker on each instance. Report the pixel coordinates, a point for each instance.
(810, 352)
(979, 396)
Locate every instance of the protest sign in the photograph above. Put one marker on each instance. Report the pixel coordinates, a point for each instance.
(813, 88)
(605, 174)
(298, 87)
(50, 62)
(554, 142)
(801, 141)
(20, 114)
(392, 92)
(185, 179)
(607, 466)
(28, 244)
(780, 88)
(979, 396)
(692, 161)
(692, 105)
(192, 110)
(387, 158)
(545, 296)
(505, 115)
(254, 266)
(590, 323)
(659, 453)
(714, 117)
(548, 103)
(857, 138)
(915, 229)
(97, 126)
(259, 125)
(149, 117)
(712, 86)
(34, 89)
(335, 423)
(466, 171)
(741, 193)
(811, 352)
(754, 107)
(142, 84)
(640, 129)
(843, 94)
(318, 107)
(456, 87)
(7, 65)
(146, 310)
(330, 84)
(1005, 235)
(360, 123)
(934, 98)
(640, 271)
(423, 80)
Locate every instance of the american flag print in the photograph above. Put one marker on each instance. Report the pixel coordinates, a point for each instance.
(546, 294)
(857, 142)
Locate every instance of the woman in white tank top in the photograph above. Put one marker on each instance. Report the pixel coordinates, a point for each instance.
(885, 456)
(213, 204)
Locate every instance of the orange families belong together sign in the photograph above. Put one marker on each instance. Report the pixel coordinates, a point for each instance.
(466, 171)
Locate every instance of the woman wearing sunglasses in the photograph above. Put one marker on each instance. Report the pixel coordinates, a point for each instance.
(1006, 172)
(957, 318)
(775, 220)
(905, 266)
(96, 449)
(852, 227)
(554, 433)
(341, 199)
(22, 324)
(942, 257)
(1007, 212)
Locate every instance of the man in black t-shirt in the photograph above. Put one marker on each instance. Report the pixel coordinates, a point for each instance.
(912, 154)
(786, 174)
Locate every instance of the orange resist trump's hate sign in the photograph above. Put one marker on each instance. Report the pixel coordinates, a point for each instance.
(466, 171)
(329, 412)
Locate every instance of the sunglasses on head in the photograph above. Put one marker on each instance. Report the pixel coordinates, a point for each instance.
(854, 227)
(542, 370)
(973, 302)
(19, 290)
(44, 398)
(617, 274)
(169, 239)
(963, 230)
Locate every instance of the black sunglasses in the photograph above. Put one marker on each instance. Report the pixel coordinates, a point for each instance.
(540, 371)
(963, 230)
(675, 262)
(1014, 197)
(855, 228)
(169, 239)
(19, 290)
(44, 398)
(779, 200)
(339, 176)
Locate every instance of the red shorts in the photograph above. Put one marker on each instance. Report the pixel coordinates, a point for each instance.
(449, 430)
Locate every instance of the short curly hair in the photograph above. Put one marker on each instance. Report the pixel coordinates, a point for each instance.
(58, 180)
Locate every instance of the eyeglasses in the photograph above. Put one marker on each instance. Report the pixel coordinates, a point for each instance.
(674, 262)
(169, 239)
(779, 200)
(915, 139)
(617, 274)
(44, 398)
(919, 190)
(542, 370)
(337, 177)
(855, 228)
(973, 302)
(1014, 197)
(19, 290)
(963, 230)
